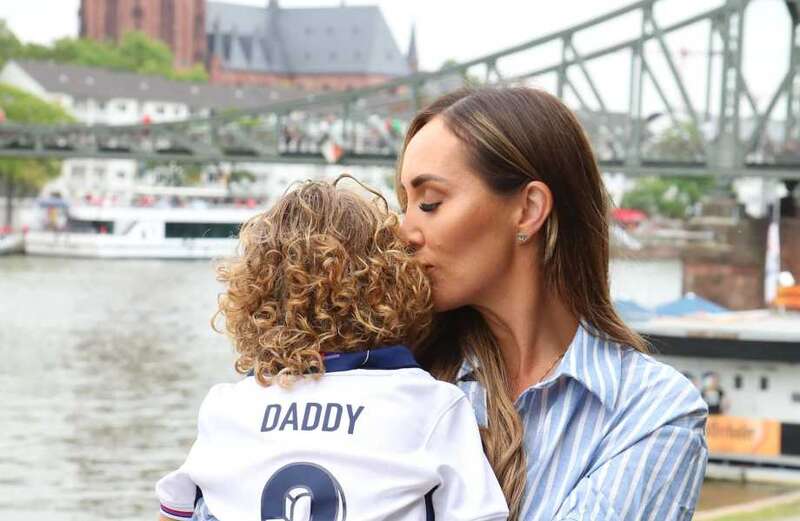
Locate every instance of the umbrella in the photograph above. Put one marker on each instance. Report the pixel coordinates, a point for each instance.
(630, 311)
(689, 304)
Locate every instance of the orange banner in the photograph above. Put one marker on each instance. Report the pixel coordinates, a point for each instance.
(734, 435)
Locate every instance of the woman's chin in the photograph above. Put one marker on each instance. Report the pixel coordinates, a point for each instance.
(441, 303)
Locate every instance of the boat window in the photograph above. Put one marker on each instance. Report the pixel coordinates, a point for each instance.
(201, 230)
(764, 383)
(79, 226)
(737, 381)
(796, 397)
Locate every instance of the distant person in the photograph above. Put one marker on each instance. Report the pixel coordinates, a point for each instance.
(713, 394)
(335, 415)
(506, 208)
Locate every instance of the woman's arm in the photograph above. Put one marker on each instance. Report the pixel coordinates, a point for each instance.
(656, 478)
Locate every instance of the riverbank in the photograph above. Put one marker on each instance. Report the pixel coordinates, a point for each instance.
(784, 507)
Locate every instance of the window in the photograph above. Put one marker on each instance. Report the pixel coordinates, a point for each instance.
(307, 56)
(764, 383)
(309, 30)
(332, 56)
(329, 30)
(737, 381)
(122, 107)
(355, 29)
(120, 174)
(99, 171)
(357, 55)
(159, 109)
(796, 397)
(198, 230)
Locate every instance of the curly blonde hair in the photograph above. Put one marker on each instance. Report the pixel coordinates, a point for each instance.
(324, 270)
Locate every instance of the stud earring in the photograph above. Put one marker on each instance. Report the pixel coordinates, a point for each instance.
(521, 237)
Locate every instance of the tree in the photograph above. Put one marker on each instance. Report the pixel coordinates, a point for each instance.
(27, 175)
(135, 52)
(470, 80)
(10, 46)
(681, 142)
(667, 196)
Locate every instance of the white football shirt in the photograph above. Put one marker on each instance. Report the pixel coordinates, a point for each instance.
(376, 438)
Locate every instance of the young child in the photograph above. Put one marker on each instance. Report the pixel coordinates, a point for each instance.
(335, 420)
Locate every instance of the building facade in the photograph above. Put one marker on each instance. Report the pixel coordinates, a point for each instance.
(97, 96)
(326, 48)
(178, 23)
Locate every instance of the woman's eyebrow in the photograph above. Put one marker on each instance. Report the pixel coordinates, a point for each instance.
(424, 178)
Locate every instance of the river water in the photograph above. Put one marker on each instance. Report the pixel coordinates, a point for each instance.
(103, 365)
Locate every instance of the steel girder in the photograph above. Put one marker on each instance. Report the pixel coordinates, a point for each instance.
(365, 126)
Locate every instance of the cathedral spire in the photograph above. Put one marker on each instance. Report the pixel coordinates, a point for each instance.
(411, 56)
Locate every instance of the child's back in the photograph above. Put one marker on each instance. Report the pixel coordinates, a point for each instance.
(327, 426)
(383, 442)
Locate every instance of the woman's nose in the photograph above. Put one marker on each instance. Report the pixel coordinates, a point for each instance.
(411, 233)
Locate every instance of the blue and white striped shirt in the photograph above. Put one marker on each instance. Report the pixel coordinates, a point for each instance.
(611, 435)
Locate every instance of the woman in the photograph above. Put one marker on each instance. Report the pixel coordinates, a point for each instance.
(506, 208)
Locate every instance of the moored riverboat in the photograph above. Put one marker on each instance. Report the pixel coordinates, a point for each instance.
(746, 365)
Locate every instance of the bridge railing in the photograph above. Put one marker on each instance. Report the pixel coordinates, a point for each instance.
(663, 126)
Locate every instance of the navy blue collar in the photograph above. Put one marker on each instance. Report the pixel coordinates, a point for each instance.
(391, 357)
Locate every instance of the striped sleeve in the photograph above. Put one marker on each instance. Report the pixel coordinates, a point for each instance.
(656, 478)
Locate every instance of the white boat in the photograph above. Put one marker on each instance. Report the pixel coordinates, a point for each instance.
(11, 243)
(745, 364)
(139, 232)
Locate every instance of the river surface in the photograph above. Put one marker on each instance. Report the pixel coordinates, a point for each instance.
(103, 365)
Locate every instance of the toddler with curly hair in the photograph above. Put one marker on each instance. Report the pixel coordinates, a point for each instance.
(334, 420)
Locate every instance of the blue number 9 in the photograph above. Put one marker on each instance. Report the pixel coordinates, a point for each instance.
(302, 484)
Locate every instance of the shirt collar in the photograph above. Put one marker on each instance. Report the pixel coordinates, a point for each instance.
(390, 357)
(591, 359)
(387, 357)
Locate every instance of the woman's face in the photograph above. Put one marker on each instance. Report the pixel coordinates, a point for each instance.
(462, 232)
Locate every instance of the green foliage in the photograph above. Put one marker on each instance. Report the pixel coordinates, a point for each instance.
(135, 52)
(21, 107)
(9, 44)
(470, 80)
(196, 74)
(667, 196)
(681, 142)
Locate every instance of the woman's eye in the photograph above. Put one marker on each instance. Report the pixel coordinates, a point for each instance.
(428, 207)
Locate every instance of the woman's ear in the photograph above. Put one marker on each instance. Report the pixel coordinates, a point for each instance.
(537, 203)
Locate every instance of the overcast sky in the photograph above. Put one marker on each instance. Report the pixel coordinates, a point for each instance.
(465, 29)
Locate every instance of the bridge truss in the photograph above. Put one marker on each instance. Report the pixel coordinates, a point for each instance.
(727, 133)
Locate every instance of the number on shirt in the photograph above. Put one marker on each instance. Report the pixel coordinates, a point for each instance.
(298, 490)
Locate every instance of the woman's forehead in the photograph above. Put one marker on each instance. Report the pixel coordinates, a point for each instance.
(434, 151)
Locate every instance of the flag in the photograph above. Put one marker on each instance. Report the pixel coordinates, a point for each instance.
(331, 151)
(772, 264)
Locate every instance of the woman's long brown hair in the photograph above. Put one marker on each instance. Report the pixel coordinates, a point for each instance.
(515, 135)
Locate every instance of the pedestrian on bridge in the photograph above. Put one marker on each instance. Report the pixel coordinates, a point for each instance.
(505, 206)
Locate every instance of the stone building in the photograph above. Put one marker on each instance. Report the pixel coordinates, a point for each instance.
(178, 23)
(323, 48)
